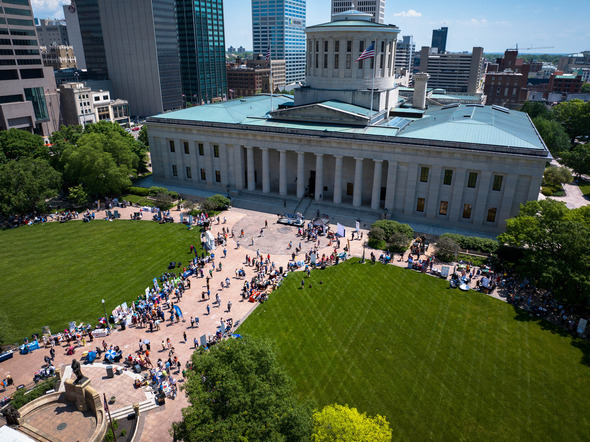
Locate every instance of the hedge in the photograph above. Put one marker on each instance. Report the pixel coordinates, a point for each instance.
(20, 398)
(483, 245)
(390, 235)
(139, 191)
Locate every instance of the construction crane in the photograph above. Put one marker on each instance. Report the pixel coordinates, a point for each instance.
(528, 49)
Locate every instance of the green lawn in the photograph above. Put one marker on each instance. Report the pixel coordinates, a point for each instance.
(585, 188)
(438, 363)
(55, 273)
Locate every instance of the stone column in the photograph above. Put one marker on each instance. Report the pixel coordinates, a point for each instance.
(230, 165)
(410, 204)
(300, 174)
(456, 210)
(209, 164)
(390, 190)
(265, 171)
(250, 163)
(480, 212)
(534, 188)
(223, 166)
(376, 195)
(433, 187)
(357, 194)
(282, 172)
(319, 176)
(338, 179)
(505, 209)
(238, 167)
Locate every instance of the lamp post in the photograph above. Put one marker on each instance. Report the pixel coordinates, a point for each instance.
(364, 249)
(105, 315)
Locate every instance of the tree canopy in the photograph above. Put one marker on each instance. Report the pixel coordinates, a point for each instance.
(238, 392)
(574, 115)
(25, 185)
(554, 135)
(16, 144)
(555, 242)
(342, 423)
(535, 109)
(579, 159)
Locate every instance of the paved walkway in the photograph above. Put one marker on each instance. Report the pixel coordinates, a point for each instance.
(274, 241)
(573, 199)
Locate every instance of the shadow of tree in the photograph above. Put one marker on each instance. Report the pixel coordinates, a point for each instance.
(582, 344)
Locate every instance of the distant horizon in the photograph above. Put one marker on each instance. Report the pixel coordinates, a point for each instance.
(562, 28)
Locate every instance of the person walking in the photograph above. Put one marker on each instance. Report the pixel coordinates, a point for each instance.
(229, 306)
(208, 310)
(184, 336)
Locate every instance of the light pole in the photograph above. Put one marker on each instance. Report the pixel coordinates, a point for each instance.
(105, 315)
(364, 249)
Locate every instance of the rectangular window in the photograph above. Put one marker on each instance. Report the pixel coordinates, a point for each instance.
(497, 185)
(203, 175)
(316, 61)
(348, 45)
(188, 172)
(216, 151)
(337, 46)
(472, 180)
(217, 176)
(317, 46)
(424, 174)
(349, 189)
(186, 151)
(444, 206)
(420, 205)
(201, 150)
(336, 61)
(325, 61)
(448, 178)
(326, 46)
(491, 215)
(172, 146)
(174, 170)
(467, 211)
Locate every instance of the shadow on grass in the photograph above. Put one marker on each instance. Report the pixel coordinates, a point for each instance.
(582, 344)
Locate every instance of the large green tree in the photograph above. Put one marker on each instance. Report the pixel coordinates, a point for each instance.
(535, 109)
(25, 185)
(554, 135)
(579, 159)
(16, 144)
(238, 392)
(556, 247)
(345, 424)
(574, 115)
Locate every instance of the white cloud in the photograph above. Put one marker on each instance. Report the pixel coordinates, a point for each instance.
(408, 13)
(476, 22)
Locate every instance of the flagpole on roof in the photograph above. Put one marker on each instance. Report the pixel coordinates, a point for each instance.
(373, 88)
(370, 53)
(269, 60)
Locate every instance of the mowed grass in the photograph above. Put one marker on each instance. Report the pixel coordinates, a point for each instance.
(438, 363)
(53, 273)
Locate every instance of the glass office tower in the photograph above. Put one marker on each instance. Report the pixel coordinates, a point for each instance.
(201, 43)
(280, 26)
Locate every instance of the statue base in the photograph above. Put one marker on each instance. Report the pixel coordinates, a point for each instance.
(75, 392)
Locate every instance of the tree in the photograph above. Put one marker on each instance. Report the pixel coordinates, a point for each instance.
(574, 115)
(16, 144)
(555, 244)
(238, 392)
(143, 136)
(25, 185)
(586, 88)
(396, 236)
(557, 175)
(579, 159)
(398, 242)
(446, 249)
(77, 195)
(553, 134)
(342, 423)
(535, 109)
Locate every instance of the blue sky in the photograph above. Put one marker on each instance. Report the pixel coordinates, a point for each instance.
(495, 25)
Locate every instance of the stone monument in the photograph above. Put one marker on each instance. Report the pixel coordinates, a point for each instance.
(75, 389)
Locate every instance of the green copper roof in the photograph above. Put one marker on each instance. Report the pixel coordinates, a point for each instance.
(352, 24)
(233, 111)
(346, 107)
(475, 125)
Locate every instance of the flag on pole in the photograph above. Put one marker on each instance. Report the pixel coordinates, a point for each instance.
(368, 53)
(267, 56)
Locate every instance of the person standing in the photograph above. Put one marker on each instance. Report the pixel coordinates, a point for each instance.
(229, 306)
(208, 310)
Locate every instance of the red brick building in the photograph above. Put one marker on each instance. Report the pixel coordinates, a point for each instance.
(245, 82)
(565, 83)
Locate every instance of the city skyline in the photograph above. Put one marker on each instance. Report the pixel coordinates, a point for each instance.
(528, 23)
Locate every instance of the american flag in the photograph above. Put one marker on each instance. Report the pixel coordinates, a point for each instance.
(368, 53)
(267, 56)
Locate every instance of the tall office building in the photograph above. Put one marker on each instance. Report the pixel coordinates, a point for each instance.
(374, 7)
(141, 50)
(28, 97)
(454, 72)
(74, 34)
(279, 25)
(404, 54)
(201, 46)
(52, 32)
(88, 18)
(439, 39)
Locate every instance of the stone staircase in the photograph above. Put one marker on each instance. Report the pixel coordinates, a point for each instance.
(144, 407)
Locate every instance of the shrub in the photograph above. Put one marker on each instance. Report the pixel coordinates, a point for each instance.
(483, 245)
(391, 235)
(20, 398)
(219, 201)
(446, 249)
(155, 190)
(139, 191)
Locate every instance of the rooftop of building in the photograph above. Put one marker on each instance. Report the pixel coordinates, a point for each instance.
(469, 124)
